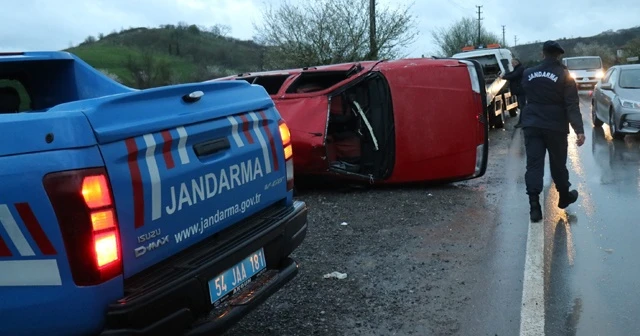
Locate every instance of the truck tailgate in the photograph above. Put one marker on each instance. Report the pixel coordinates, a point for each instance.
(183, 169)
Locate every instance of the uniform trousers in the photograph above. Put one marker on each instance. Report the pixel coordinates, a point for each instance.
(538, 142)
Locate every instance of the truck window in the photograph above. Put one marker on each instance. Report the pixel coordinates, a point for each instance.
(490, 67)
(47, 83)
(505, 64)
(13, 96)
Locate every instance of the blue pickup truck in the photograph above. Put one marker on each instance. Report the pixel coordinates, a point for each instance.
(163, 211)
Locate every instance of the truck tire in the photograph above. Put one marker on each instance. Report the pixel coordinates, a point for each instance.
(514, 111)
(500, 120)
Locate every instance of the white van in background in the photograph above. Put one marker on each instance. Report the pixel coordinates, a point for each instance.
(586, 70)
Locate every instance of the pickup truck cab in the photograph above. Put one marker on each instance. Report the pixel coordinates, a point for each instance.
(494, 61)
(161, 211)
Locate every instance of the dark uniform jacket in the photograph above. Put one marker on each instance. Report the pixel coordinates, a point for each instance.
(552, 98)
(515, 80)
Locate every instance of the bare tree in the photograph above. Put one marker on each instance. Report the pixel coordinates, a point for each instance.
(220, 30)
(331, 31)
(451, 40)
(595, 49)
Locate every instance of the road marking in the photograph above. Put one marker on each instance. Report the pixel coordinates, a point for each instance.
(532, 309)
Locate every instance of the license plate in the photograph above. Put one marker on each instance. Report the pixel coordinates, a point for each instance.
(237, 276)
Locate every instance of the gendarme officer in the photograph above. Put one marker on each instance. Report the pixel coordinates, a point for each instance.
(552, 104)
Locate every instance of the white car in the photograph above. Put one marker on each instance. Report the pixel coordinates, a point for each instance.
(616, 100)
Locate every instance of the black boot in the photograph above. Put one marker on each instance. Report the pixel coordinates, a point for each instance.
(567, 198)
(535, 213)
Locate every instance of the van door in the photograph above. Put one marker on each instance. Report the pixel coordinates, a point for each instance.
(441, 119)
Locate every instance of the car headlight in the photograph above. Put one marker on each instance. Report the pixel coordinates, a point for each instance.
(573, 75)
(599, 74)
(630, 104)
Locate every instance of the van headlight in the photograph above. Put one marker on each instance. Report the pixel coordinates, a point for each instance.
(573, 75)
(599, 74)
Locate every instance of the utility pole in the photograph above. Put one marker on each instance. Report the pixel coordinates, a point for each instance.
(373, 48)
(515, 40)
(504, 42)
(479, 19)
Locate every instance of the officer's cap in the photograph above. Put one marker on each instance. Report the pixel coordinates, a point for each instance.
(552, 46)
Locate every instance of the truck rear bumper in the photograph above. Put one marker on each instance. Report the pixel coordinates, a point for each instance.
(173, 298)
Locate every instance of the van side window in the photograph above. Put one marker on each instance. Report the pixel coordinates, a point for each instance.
(8, 100)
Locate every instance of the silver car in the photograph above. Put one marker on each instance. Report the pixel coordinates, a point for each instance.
(616, 100)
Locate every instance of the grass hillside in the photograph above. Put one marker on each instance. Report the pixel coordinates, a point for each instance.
(145, 57)
(604, 44)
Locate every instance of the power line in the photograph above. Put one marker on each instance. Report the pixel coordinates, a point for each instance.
(479, 19)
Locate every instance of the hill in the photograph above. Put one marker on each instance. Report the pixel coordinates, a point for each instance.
(604, 44)
(146, 57)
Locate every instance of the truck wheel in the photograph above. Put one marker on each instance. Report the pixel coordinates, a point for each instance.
(499, 120)
(512, 112)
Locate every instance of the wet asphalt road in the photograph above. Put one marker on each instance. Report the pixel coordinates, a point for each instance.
(591, 250)
(449, 260)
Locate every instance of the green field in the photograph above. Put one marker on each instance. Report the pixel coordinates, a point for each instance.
(180, 54)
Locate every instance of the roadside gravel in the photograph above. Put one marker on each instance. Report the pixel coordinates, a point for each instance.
(409, 255)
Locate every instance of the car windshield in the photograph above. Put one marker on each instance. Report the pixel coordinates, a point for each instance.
(630, 79)
(584, 63)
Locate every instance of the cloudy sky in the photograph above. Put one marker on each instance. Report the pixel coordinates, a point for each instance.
(55, 24)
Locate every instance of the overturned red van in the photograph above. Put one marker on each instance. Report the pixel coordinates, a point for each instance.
(391, 121)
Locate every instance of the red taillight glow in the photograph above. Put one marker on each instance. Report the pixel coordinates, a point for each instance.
(83, 203)
(106, 246)
(103, 220)
(96, 194)
(285, 135)
(95, 191)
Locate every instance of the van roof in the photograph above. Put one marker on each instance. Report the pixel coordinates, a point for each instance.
(575, 57)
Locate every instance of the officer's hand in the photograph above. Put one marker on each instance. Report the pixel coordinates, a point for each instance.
(580, 140)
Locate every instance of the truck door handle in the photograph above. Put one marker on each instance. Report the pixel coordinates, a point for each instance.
(211, 147)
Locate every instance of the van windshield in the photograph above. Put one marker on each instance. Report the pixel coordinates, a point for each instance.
(584, 63)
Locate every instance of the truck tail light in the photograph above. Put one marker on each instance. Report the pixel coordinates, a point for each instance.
(83, 203)
(285, 135)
